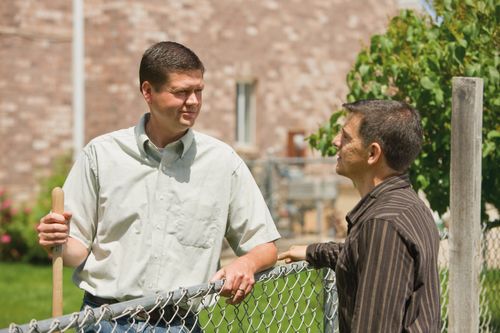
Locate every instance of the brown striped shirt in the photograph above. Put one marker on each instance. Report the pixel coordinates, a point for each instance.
(387, 274)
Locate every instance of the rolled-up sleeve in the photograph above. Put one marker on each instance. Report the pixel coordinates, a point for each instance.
(80, 197)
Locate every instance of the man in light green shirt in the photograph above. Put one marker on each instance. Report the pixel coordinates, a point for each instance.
(148, 207)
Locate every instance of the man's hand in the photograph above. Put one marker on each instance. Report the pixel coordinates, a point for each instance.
(295, 253)
(239, 274)
(53, 229)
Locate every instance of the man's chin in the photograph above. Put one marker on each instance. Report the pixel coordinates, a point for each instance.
(187, 123)
(338, 170)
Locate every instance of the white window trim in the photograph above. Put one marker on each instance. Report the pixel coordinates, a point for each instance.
(241, 129)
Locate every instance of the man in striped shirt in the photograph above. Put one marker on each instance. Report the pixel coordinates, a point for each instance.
(387, 274)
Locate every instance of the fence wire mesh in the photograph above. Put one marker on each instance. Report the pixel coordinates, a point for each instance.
(288, 298)
(489, 279)
(443, 278)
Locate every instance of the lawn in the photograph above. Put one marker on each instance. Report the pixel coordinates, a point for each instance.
(27, 293)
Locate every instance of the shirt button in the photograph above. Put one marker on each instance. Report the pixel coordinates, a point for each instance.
(158, 226)
(162, 197)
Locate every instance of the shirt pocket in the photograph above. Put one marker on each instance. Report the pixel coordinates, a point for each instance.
(198, 227)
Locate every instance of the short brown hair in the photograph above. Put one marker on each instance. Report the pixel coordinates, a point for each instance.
(163, 58)
(394, 125)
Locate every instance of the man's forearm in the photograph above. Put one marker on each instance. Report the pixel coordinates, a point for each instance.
(262, 256)
(74, 253)
(321, 255)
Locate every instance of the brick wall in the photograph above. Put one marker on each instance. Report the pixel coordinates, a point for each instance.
(35, 90)
(299, 53)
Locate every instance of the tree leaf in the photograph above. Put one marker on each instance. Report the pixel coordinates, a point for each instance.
(426, 83)
(493, 134)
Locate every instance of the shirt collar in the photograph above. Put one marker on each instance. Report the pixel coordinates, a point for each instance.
(148, 149)
(389, 184)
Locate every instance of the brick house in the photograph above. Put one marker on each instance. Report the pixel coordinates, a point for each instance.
(273, 69)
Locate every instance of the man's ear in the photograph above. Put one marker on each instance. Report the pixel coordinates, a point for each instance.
(146, 90)
(374, 153)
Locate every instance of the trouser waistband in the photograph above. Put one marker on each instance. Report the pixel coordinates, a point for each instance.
(99, 300)
(166, 313)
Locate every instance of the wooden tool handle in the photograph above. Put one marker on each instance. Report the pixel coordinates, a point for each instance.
(57, 260)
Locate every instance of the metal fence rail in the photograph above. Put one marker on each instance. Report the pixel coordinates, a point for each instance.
(288, 298)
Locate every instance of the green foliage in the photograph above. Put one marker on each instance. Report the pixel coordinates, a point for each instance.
(14, 228)
(415, 61)
(18, 236)
(322, 140)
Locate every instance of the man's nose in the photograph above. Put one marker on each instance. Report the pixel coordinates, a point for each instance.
(336, 140)
(193, 98)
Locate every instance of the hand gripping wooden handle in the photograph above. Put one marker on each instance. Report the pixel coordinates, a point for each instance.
(57, 260)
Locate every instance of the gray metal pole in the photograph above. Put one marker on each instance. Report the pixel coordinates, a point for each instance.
(330, 302)
(78, 77)
(465, 204)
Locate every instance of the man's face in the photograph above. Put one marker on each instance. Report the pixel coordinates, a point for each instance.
(177, 103)
(352, 156)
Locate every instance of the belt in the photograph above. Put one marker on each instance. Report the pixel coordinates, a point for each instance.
(166, 313)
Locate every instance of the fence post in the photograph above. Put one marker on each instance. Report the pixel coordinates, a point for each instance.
(330, 301)
(465, 204)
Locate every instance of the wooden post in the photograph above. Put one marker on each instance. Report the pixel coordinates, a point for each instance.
(465, 204)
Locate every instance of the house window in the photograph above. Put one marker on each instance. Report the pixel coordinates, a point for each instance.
(245, 112)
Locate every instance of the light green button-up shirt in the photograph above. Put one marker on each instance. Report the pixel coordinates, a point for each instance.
(155, 220)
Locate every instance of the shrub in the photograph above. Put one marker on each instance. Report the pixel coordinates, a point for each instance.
(14, 229)
(18, 236)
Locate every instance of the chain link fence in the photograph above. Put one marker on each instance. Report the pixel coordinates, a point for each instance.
(288, 298)
(490, 281)
(489, 303)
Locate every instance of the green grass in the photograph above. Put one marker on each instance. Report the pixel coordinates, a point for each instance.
(489, 300)
(491, 285)
(293, 304)
(27, 293)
